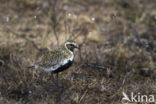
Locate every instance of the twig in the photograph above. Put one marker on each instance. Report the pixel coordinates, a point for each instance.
(80, 55)
(53, 18)
(95, 51)
(137, 37)
(73, 35)
(17, 35)
(84, 94)
(96, 66)
(2, 62)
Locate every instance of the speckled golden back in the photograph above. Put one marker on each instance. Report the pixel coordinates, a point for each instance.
(53, 58)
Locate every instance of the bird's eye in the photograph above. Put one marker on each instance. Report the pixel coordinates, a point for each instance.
(71, 47)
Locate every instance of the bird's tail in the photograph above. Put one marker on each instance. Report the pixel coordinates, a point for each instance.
(31, 67)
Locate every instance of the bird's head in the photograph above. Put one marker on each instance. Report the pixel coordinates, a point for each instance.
(71, 45)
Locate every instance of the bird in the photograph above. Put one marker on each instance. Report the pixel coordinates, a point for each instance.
(58, 60)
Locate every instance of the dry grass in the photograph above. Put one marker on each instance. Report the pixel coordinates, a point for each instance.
(118, 50)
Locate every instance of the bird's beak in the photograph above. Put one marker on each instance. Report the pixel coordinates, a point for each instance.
(77, 47)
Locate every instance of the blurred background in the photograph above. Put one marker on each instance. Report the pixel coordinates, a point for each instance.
(118, 50)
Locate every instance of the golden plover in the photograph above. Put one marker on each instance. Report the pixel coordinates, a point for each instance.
(57, 60)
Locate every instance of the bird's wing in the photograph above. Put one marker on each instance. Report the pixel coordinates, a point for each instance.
(51, 59)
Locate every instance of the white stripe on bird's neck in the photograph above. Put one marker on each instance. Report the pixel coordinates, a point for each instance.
(72, 53)
(68, 49)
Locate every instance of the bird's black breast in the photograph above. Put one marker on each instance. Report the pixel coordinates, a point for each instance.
(63, 67)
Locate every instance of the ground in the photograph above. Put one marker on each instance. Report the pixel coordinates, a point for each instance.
(117, 50)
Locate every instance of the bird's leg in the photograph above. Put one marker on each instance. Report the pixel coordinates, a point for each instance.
(57, 78)
(53, 79)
